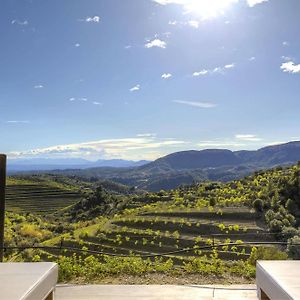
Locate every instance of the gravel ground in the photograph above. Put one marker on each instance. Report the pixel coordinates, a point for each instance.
(159, 278)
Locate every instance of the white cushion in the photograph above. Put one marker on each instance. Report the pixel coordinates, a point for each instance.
(280, 280)
(27, 281)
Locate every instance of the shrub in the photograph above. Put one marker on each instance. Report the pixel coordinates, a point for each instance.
(258, 205)
(294, 247)
(266, 253)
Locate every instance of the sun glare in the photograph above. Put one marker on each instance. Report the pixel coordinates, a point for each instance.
(208, 9)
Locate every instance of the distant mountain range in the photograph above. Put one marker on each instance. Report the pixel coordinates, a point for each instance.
(186, 167)
(44, 164)
(213, 158)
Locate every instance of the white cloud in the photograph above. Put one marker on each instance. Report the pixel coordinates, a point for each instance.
(156, 43)
(97, 103)
(252, 3)
(252, 58)
(172, 22)
(220, 144)
(95, 19)
(18, 122)
(139, 147)
(285, 43)
(38, 86)
(207, 9)
(230, 66)
(21, 23)
(196, 103)
(286, 58)
(193, 23)
(146, 135)
(202, 72)
(78, 99)
(128, 47)
(166, 75)
(135, 88)
(77, 45)
(248, 137)
(290, 67)
(218, 70)
(203, 3)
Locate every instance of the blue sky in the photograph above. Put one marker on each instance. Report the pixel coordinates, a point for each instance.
(137, 79)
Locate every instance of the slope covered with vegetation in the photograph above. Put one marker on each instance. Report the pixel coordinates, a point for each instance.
(215, 230)
(187, 167)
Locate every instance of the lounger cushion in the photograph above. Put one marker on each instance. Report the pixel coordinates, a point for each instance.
(280, 280)
(27, 281)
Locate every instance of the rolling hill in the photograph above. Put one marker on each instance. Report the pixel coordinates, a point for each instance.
(191, 166)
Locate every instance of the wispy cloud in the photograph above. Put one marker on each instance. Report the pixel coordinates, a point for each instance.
(166, 75)
(230, 66)
(205, 11)
(286, 58)
(248, 137)
(173, 22)
(38, 86)
(97, 103)
(21, 23)
(220, 144)
(18, 122)
(252, 3)
(145, 146)
(196, 103)
(285, 43)
(200, 73)
(252, 58)
(290, 67)
(193, 23)
(146, 135)
(83, 99)
(94, 19)
(135, 88)
(77, 45)
(216, 70)
(156, 43)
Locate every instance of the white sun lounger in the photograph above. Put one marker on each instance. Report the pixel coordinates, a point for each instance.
(278, 280)
(28, 281)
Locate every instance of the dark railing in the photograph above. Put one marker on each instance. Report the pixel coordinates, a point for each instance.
(206, 247)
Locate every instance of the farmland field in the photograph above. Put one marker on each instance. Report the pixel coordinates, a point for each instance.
(38, 197)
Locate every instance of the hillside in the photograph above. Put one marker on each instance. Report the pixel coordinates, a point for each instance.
(209, 229)
(41, 194)
(187, 167)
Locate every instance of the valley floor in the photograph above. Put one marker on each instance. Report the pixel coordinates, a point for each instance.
(156, 292)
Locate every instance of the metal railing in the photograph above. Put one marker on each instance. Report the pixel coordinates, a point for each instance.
(183, 250)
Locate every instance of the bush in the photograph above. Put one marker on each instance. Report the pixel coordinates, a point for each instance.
(258, 205)
(266, 253)
(289, 232)
(294, 247)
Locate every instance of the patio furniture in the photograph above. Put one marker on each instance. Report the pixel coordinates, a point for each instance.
(28, 281)
(278, 280)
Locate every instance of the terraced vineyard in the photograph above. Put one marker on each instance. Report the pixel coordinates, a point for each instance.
(208, 229)
(171, 234)
(38, 198)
